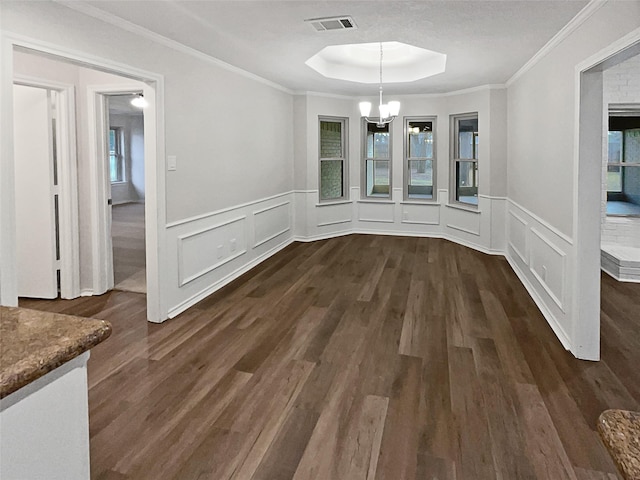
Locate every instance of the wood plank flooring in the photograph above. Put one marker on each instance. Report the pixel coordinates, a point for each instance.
(128, 237)
(360, 357)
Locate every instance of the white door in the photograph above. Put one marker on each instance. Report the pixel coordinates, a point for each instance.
(37, 263)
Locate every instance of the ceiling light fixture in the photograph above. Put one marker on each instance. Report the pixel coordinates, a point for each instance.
(139, 101)
(387, 112)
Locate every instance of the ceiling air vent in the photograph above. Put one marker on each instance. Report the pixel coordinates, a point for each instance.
(332, 23)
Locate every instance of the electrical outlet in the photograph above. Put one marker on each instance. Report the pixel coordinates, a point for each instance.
(220, 251)
(232, 244)
(405, 215)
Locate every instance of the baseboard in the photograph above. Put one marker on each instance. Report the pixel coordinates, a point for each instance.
(191, 301)
(546, 313)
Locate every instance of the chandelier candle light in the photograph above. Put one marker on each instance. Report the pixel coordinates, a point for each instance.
(388, 112)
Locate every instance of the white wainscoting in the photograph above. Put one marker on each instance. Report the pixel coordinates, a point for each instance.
(518, 233)
(334, 214)
(548, 265)
(213, 249)
(271, 222)
(420, 213)
(202, 251)
(376, 211)
(540, 255)
(477, 229)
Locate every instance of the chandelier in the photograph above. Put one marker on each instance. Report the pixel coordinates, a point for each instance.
(387, 111)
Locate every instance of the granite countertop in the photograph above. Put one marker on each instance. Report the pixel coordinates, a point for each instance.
(620, 432)
(33, 343)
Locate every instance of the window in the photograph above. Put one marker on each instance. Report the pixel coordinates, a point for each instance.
(116, 155)
(377, 159)
(623, 166)
(419, 155)
(465, 159)
(333, 165)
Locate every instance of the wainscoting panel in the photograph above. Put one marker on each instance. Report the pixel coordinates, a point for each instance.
(334, 214)
(202, 251)
(463, 221)
(422, 214)
(213, 249)
(518, 234)
(376, 212)
(541, 256)
(271, 222)
(548, 265)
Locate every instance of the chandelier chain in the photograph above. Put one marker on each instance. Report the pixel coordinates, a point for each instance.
(381, 64)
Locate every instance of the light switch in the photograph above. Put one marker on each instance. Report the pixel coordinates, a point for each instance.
(172, 162)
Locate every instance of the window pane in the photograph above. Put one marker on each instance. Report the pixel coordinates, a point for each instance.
(468, 138)
(632, 146)
(113, 168)
(112, 141)
(631, 184)
(467, 182)
(330, 139)
(420, 139)
(378, 178)
(614, 179)
(377, 141)
(615, 147)
(331, 176)
(420, 179)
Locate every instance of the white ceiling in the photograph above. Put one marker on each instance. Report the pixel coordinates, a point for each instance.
(486, 42)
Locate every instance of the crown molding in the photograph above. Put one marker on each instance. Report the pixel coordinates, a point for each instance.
(582, 16)
(116, 21)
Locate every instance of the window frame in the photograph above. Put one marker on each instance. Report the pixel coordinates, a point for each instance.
(455, 159)
(344, 131)
(623, 165)
(120, 155)
(406, 159)
(363, 177)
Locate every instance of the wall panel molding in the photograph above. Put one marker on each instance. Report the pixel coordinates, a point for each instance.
(205, 242)
(521, 248)
(271, 222)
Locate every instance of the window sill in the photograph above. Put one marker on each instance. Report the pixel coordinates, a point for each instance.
(465, 208)
(381, 201)
(123, 182)
(332, 202)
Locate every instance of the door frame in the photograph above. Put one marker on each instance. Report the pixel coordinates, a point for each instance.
(155, 175)
(67, 181)
(102, 248)
(587, 181)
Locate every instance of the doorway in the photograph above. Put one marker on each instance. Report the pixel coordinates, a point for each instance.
(589, 176)
(125, 140)
(92, 193)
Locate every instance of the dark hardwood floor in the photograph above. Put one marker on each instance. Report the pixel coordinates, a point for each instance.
(359, 357)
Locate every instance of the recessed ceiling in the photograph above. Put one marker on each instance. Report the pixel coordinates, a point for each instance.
(486, 42)
(361, 62)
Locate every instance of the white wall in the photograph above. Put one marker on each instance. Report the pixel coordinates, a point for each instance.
(542, 152)
(621, 84)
